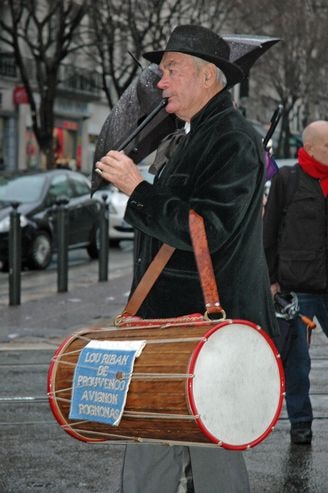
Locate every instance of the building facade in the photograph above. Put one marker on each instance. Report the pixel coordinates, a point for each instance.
(80, 111)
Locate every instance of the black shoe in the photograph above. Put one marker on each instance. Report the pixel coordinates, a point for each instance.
(301, 433)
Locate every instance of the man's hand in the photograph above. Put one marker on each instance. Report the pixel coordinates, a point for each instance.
(120, 170)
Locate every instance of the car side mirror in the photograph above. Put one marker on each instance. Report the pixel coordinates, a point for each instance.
(62, 200)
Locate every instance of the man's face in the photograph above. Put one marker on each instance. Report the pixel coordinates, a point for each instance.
(319, 146)
(320, 150)
(182, 84)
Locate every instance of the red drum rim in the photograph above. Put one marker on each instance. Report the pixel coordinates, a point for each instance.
(53, 402)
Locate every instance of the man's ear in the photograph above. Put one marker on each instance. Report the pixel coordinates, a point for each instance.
(308, 148)
(209, 74)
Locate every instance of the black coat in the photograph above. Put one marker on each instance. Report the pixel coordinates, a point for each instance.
(296, 232)
(218, 171)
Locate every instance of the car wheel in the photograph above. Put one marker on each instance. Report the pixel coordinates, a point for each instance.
(41, 251)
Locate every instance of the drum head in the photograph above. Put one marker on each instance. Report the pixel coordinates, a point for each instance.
(237, 388)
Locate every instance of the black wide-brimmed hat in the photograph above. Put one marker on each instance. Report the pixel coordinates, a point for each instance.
(202, 43)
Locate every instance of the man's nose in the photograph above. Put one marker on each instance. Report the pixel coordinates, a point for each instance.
(162, 83)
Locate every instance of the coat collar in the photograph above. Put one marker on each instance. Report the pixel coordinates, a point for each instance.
(220, 102)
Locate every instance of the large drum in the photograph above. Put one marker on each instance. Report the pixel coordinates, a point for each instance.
(204, 383)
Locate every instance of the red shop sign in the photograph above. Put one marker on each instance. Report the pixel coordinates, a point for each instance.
(20, 95)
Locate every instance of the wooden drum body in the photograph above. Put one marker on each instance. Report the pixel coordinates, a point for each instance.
(202, 383)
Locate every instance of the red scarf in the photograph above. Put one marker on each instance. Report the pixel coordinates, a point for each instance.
(313, 168)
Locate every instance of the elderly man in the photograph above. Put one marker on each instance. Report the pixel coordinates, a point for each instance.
(217, 169)
(295, 239)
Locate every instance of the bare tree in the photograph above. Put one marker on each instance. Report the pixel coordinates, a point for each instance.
(121, 31)
(293, 70)
(41, 34)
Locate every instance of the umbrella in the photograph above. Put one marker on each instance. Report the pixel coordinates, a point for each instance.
(246, 49)
(143, 97)
(128, 114)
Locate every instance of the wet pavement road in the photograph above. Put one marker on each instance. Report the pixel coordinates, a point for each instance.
(36, 455)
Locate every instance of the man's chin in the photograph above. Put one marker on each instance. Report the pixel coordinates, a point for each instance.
(171, 108)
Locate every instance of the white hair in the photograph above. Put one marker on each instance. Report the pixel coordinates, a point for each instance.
(221, 77)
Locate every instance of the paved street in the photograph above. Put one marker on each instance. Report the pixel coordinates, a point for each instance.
(37, 455)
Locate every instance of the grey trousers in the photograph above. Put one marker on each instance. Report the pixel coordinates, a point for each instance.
(178, 469)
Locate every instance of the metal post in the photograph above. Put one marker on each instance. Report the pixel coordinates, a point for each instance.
(15, 256)
(62, 247)
(103, 241)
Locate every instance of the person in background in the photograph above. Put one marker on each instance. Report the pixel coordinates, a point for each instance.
(218, 170)
(295, 241)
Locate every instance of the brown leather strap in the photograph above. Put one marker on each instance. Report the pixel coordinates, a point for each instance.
(148, 280)
(204, 265)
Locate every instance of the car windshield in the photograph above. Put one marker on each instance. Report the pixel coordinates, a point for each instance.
(23, 189)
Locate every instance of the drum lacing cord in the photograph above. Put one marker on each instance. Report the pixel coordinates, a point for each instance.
(124, 437)
(128, 376)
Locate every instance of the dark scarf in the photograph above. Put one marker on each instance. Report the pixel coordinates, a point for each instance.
(165, 150)
(313, 168)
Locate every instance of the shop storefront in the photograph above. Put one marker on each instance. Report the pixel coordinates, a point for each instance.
(8, 132)
(67, 136)
(76, 129)
(67, 144)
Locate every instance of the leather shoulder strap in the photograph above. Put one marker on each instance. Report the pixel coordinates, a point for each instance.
(148, 280)
(204, 266)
